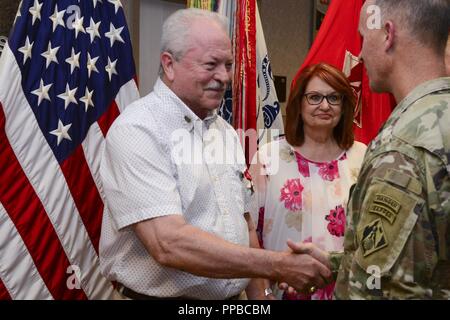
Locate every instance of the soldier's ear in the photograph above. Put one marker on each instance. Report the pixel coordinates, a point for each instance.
(389, 33)
(167, 61)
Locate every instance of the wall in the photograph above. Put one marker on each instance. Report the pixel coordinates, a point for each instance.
(447, 56)
(152, 15)
(8, 10)
(287, 25)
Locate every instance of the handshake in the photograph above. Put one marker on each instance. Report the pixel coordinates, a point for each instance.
(304, 268)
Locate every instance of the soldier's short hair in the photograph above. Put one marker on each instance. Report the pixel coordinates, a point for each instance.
(427, 20)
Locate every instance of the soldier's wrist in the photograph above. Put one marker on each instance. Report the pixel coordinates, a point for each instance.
(334, 259)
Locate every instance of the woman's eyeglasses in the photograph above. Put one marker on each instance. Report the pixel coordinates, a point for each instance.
(315, 98)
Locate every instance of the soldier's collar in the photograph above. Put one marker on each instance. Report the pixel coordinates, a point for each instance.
(421, 91)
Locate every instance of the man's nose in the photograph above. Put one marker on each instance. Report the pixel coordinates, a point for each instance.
(223, 74)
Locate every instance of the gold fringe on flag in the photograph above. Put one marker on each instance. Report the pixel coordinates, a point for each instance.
(203, 4)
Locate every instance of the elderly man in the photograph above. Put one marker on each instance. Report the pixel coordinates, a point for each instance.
(178, 226)
(397, 241)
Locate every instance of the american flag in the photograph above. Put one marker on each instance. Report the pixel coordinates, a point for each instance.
(65, 75)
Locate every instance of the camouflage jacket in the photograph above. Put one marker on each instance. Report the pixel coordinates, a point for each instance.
(397, 242)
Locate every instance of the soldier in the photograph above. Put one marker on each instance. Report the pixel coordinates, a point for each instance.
(397, 242)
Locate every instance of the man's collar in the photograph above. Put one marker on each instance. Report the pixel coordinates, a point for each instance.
(185, 116)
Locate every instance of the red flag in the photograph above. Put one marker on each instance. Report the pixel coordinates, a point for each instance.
(244, 90)
(338, 43)
(65, 74)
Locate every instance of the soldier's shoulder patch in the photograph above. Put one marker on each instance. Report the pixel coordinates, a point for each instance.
(388, 215)
(373, 237)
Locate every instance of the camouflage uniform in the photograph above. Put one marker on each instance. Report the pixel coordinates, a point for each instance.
(397, 242)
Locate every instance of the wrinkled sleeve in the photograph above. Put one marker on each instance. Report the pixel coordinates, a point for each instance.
(388, 252)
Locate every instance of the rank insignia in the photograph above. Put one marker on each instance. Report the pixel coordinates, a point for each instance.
(373, 238)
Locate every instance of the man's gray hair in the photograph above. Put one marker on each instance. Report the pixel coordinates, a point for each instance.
(427, 20)
(177, 27)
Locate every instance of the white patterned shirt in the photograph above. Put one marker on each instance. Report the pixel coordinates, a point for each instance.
(155, 164)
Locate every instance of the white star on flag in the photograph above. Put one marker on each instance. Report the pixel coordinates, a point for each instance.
(68, 96)
(116, 4)
(62, 132)
(26, 50)
(42, 92)
(50, 54)
(111, 68)
(91, 65)
(93, 30)
(35, 11)
(87, 99)
(78, 26)
(74, 61)
(95, 2)
(57, 18)
(19, 12)
(114, 34)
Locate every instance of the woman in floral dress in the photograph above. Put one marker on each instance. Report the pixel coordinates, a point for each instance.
(302, 181)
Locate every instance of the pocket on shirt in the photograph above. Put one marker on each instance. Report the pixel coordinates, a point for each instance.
(388, 217)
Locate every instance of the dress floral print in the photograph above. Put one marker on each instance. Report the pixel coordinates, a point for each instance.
(329, 171)
(291, 194)
(303, 166)
(336, 224)
(302, 200)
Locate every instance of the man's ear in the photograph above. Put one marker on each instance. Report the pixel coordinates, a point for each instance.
(389, 34)
(167, 61)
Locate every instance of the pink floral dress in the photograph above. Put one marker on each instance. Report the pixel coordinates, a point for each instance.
(302, 200)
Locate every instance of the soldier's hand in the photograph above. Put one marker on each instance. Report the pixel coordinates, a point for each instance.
(322, 258)
(303, 272)
(312, 250)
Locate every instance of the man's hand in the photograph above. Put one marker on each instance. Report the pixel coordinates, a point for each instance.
(311, 249)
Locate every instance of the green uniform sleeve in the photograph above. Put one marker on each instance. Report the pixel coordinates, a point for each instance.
(335, 262)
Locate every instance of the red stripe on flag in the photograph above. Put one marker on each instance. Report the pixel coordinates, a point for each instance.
(85, 193)
(34, 226)
(4, 294)
(108, 118)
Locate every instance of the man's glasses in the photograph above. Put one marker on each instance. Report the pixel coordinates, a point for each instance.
(315, 98)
